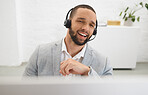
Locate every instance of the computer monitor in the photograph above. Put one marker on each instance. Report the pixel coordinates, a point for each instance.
(74, 86)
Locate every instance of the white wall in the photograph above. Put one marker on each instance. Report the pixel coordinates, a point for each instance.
(8, 34)
(41, 21)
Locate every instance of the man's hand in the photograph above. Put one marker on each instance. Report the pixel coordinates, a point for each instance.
(71, 66)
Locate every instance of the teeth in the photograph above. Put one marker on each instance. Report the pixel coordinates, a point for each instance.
(82, 34)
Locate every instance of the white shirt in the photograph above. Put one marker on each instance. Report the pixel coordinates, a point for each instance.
(79, 57)
(65, 55)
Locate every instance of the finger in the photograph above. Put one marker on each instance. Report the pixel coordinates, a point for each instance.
(73, 72)
(62, 73)
(62, 62)
(71, 69)
(62, 68)
(68, 68)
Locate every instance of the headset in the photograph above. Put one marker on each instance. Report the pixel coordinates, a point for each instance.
(67, 24)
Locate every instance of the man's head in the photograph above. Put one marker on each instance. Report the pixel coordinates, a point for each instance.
(83, 22)
(73, 12)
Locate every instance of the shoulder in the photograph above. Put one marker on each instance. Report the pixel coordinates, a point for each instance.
(46, 49)
(96, 55)
(48, 46)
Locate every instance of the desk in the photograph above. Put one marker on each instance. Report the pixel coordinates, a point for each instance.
(119, 43)
(75, 86)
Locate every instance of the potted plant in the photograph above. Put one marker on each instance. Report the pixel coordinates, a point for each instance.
(128, 15)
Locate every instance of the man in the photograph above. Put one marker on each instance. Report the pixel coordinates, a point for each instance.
(72, 55)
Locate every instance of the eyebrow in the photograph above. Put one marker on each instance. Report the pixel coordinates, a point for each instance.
(85, 19)
(82, 18)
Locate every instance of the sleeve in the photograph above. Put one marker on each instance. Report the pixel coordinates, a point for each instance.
(92, 72)
(108, 69)
(32, 68)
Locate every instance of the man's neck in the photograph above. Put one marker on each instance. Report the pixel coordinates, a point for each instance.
(72, 48)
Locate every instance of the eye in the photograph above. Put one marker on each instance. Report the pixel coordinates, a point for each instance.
(91, 25)
(80, 21)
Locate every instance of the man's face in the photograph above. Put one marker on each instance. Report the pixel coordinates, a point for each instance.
(82, 25)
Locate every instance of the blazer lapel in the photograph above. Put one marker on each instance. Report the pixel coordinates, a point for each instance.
(57, 58)
(57, 51)
(88, 56)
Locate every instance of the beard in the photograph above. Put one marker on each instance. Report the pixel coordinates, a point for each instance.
(75, 38)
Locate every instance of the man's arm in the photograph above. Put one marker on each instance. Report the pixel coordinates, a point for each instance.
(32, 69)
(92, 72)
(75, 67)
(107, 70)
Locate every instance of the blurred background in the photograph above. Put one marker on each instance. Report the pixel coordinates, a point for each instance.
(24, 24)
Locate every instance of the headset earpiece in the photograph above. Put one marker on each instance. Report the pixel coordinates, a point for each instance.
(95, 31)
(67, 23)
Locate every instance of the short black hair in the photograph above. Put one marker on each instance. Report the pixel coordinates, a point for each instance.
(80, 6)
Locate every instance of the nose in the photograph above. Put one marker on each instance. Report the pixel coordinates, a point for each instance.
(85, 27)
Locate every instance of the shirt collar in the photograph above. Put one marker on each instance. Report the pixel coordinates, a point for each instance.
(79, 55)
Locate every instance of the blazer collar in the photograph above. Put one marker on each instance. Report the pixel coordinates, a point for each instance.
(57, 57)
(88, 56)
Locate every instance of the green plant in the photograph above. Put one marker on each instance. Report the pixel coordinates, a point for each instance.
(130, 12)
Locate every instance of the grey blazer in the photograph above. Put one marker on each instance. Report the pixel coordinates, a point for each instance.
(45, 61)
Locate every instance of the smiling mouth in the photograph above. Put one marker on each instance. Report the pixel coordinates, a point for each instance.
(84, 35)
